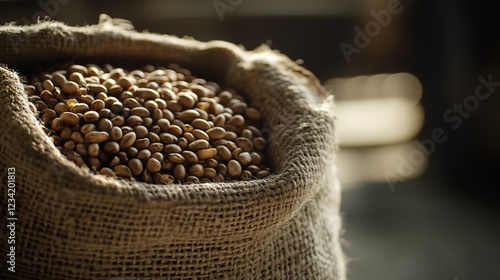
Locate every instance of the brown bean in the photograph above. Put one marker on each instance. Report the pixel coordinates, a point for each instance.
(157, 114)
(153, 165)
(106, 124)
(141, 131)
(216, 133)
(96, 88)
(151, 105)
(70, 87)
(206, 153)
(182, 142)
(132, 152)
(87, 99)
(172, 148)
(201, 124)
(189, 137)
(69, 118)
(142, 143)
(187, 100)
(68, 146)
(96, 136)
(116, 107)
(127, 140)
(135, 166)
(234, 168)
(230, 135)
(159, 156)
(246, 175)
(164, 124)
(224, 153)
(59, 79)
(131, 103)
(175, 158)
(190, 157)
(175, 130)
(209, 172)
(246, 133)
(61, 107)
(93, 150)
(125, 82)
(211, 162)
(200, 134)
(115, 134)
(65, 133)
(167, 138)
(244, 158)
(86, 128)
(147, 177)
(259, 143)
(253, 114)
(134, 120)
(78, 69)
(147, 93)
(222, 169)
(46, 95)
(244, 143)
(163, 178)
(82, 149)
(140, 111)
(179, 172)
(105, 113)
(48, 85)
(191, 180)
(122, 171)
(236, 152)
(91, 116)
(256, 158)
(94, 163)
(155, 147)
(188, 115)
(154, 138)
(144, 154)
(111, 148)
(78, 78)
(79, 108)
(198, 145)
(77, 137)
(263, 173)
(107, 172)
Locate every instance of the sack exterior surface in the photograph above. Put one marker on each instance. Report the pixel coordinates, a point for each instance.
(72, 224)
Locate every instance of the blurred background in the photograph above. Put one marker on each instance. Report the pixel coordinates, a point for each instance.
(417, 104)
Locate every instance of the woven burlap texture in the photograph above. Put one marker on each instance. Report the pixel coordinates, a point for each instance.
(72, 224)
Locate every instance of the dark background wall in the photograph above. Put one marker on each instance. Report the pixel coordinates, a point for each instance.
(441, 225)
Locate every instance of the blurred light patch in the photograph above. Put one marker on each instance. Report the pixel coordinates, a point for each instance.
(377, 110)
(368, 122)
(370, 164)
(378, 116)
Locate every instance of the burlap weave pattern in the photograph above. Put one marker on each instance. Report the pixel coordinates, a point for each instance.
(76, 225)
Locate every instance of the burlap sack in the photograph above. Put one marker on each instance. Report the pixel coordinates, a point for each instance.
(73, 224)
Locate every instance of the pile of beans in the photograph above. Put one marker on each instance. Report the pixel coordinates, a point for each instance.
(156, 124)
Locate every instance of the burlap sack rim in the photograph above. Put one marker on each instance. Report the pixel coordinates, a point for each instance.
(284, 180)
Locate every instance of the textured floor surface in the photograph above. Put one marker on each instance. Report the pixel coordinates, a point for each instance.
(417, 233)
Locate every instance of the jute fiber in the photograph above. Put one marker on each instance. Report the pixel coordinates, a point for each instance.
(72, 224)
